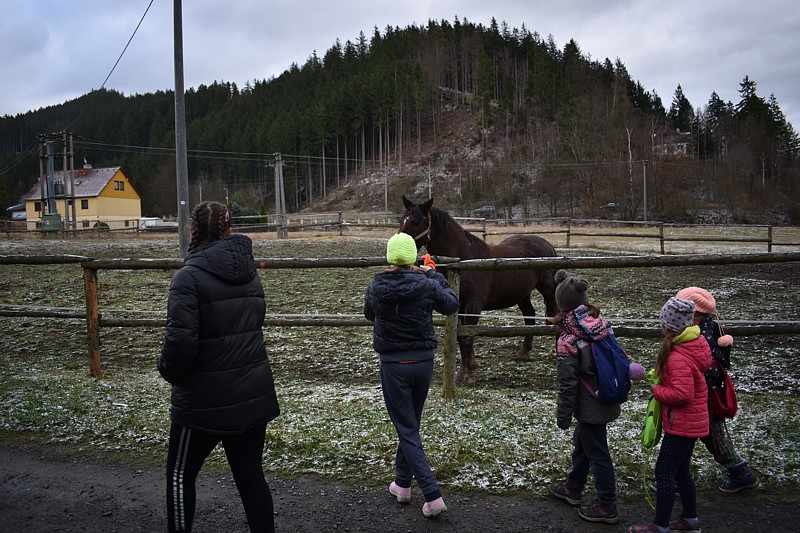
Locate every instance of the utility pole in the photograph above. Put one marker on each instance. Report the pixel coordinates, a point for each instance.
(181, 162)
(280, 199)
(644, 189)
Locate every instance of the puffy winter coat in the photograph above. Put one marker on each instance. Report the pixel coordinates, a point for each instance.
(213, 352)
(575, 361)
(682, 391)
(400, 302)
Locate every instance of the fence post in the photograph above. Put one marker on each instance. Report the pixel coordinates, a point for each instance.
(661, 236)
(769, 238)
(340, 223)
(569, 230)
(450, 341)
(92, 320)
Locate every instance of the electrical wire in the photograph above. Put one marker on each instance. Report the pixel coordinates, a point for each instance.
(115, 65)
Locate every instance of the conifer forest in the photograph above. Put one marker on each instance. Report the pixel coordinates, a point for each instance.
(472, 115)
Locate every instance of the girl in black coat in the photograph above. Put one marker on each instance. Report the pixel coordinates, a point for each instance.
(214, 357)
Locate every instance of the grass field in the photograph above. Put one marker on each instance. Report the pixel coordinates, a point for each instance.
(499, 437)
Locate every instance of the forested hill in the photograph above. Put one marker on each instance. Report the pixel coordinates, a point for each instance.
(474, 115)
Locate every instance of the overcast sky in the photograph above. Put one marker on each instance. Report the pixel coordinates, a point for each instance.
(52, 51)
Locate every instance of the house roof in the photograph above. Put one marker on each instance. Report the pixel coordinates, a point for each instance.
(89, 182)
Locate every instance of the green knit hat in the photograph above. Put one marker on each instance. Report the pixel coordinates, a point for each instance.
(401, 250)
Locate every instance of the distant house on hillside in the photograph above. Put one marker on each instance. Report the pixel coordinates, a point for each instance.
(102, 196)
(672, 143)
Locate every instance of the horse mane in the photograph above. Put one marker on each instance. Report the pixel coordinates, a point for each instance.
(441, 217)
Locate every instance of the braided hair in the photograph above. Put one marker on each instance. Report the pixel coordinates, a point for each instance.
(210, 222)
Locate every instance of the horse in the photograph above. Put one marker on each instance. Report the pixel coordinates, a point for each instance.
(441, 235)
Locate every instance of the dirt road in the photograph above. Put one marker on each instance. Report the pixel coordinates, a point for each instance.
(52, 490)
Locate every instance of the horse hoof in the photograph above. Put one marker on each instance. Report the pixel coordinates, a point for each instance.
(466, 381)
(523, 355)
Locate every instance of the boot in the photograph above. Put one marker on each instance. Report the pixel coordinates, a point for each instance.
(740, 477)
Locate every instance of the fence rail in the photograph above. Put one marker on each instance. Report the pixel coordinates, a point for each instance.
(571, 228)
(452, 266)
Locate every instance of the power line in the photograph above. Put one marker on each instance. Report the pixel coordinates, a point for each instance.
(115, 64)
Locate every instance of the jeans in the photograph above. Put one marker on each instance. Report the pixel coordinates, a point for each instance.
(590, 451)
(188, 449)
(405, 389)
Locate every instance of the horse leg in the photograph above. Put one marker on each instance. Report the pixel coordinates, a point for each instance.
(467, 371)
(526, 307)
(547, 288)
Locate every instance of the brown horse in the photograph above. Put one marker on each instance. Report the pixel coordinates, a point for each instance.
(436, 230)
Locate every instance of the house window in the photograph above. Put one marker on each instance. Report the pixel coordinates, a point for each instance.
(119, 185)
(84, 204)
(127, 223)
(85, 223)
(37, 206)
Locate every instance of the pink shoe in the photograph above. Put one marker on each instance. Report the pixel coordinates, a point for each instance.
(434, 508)
(403, 495)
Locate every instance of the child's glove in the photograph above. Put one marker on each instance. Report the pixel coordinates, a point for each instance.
(651, 377)
(427, 261)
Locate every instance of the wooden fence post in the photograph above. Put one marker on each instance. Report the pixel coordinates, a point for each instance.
(92, 320)
(661, 236)
(769, 238)
(569, 230)
(450, 341)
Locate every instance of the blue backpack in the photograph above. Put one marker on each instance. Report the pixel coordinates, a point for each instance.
(612, 363)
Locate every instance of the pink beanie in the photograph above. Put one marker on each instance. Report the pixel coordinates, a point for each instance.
(703, 301)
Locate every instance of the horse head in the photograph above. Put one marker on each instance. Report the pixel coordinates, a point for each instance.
(416, 221)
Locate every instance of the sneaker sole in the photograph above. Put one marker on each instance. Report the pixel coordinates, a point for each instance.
(607, 520)
(436, 511)
(739, 489)
(563, 497)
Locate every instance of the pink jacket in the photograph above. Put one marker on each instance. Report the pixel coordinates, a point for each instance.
(683, 392)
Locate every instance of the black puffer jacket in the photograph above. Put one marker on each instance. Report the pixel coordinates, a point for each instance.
(400, 303)
(213, 352)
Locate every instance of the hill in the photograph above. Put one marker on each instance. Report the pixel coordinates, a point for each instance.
(486, 115)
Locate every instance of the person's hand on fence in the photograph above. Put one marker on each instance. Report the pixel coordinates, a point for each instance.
(427, 261)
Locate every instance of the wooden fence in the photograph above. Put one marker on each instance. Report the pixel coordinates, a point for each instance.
(341, 223)
(452, 266)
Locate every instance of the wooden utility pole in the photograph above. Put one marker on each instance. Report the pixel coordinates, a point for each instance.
(181, 163)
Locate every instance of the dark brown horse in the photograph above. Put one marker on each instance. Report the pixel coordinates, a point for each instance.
(436, 230)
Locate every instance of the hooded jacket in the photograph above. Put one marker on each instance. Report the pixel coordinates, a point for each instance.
(213, 352)
(575, 360)
(682, 390)
(400, 302)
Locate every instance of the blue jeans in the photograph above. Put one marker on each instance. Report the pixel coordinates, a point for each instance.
(405, 389)
(590, 451)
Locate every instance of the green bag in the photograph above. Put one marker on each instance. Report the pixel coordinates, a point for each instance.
(651, 432)
(651, 435)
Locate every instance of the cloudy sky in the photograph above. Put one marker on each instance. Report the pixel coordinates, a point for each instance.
(58, 50)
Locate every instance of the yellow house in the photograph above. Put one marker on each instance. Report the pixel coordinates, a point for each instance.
(102, 196)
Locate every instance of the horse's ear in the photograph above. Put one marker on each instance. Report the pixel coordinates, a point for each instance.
(407, 203)
(426, 207)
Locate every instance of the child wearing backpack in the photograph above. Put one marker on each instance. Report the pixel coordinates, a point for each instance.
(582, 323)
(718, 442)
(680, 368)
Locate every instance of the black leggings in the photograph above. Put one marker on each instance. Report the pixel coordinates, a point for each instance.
(673, 469)
(188, 449)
